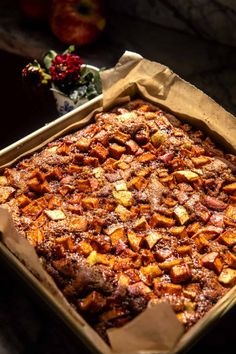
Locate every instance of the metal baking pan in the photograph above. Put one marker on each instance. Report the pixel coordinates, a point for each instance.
(35, 141)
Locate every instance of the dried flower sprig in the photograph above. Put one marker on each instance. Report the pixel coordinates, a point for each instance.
(65, 73)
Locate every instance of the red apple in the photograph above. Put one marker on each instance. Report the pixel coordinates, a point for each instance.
(77, 22)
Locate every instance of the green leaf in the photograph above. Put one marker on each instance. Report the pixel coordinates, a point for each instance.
(48, 58)
(69, 50)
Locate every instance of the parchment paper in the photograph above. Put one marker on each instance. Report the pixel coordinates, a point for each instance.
(156, 330)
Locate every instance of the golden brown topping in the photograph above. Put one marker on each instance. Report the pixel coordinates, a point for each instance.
(23, 200)
(99, 151)
(229, 188)
(117, 235)
(180, 273)
(138, 182)
(158, 138)
(146, 157)
(213, 261)
(84, 248)
(83, 144)
(78, 223)
(185, 176)
(231, 212)
(167, 288)
(116, 150)
(90, 203)
(201, 160)
(95, 258)
(35, 236)
(161, 220)
(141, 224)
(66, 242)
(152, 238)
(150, 272)
(83, 185)
(228, 238)
(123, 213)
(134, 240)
(230, 259)
(123, 197)
(181, 214)
(55, 215)
(120, 137)
(227, 276)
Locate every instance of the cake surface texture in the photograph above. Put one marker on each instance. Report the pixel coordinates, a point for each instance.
(136, 207)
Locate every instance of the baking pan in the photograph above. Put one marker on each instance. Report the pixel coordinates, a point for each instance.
(29, 144)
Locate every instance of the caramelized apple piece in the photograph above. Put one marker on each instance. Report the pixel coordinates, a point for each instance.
(183, 250)
(3, 181)
(179, 231)
(230, 259)
(90, 203)
(168, 265)
(78, 223)
(34, 185)
(152, 238)
(55, 215)
(91, 161)
(181, 214)
(120, 137)
(141, 224)
(150, 272)
(138, 182)
(180, 273)
(138, 289)
(34, 208)
(185, 176)
(83, 144)
(161, 220)
(99, 151)
(63, 149)
(35, 236)
(123, 213)
(123, 197)
(116, 150)
(131, 147)
(93, 303)
(97, 258)
(200, 241)
(83, 185)
(167, 288)
(158, 138)
(84, 247)
(120, 185)
(212, 261)
(201, 160)
(228, 238)
(146, 157)
(23, 200)
(231, 212)
(134, 240)
(192, 290)
(123, 280)
(117, 235)
(228, 277)
(66, 242)
(230, 188)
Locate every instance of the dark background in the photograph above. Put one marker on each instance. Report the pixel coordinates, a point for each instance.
(26, 325)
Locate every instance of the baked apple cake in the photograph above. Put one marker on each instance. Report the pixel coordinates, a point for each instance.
(135, 207)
